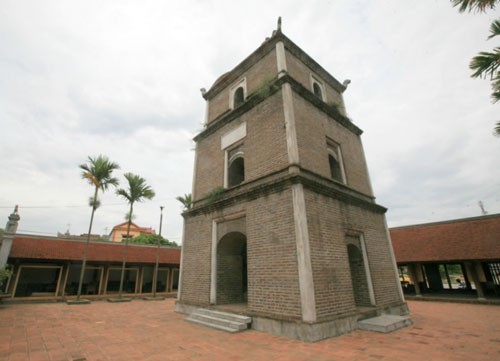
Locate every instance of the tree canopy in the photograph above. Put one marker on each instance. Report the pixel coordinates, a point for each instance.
(97, 171)
(153, 239)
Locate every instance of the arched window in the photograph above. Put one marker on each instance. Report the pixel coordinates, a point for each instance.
(317, 90)
(335, 171)
(335, 162)
(236, 168)
(239, 97)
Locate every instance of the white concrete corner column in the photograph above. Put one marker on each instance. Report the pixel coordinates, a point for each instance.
(213, 266)
(179, 284)
(394, 264)
(281, 59)
(367, 269)
(306, 282)
(291, 132)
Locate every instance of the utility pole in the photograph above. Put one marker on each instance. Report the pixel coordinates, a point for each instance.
(155, 275)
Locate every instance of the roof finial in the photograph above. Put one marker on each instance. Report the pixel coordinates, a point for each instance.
(279, 24)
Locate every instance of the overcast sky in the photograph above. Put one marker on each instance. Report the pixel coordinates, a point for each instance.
(122, 78)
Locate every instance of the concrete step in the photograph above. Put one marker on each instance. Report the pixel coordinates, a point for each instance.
(385, 323)
(224, 315)
(220, 320)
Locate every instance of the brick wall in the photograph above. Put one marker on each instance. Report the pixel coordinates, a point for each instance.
(313, 128)
(266, 68)
(196, 259)
(264, 147)
(329, 220)
(273, 285)
(300, 72)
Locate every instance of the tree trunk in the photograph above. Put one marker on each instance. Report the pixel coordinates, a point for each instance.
(124, 261)
(85, 253)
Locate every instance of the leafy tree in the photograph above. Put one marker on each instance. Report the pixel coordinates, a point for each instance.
(185, 200)
(98, 172)
(485, 64)
(1, 232)
(153, 239)
(137, 191)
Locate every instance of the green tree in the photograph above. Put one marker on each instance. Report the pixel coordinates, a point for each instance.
(98, 172)
(137, 191)
(185, 200)
(485, 64)
(153, 239)
(1, 232)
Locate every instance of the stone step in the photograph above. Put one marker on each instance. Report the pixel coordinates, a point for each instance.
(212, 325)
(385, 323)
(220, 320)
(224, 315)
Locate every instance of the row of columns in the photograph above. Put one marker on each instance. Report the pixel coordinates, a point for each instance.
(104, 276)
(473, 272)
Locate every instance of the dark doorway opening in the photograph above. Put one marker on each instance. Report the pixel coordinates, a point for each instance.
(358, 277)
(232, 279)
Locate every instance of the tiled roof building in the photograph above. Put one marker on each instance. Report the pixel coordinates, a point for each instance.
(49, 267)
(437, 255)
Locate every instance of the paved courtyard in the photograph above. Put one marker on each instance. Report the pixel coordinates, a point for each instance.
(142, 330)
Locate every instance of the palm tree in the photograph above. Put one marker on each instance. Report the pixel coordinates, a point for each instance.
(97, 171)
(485, 64)
(185, 200)
(138, 191)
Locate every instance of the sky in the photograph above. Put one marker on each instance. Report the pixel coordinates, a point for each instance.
(123, 78)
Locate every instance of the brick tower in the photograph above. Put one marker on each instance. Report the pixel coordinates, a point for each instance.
(284, 222)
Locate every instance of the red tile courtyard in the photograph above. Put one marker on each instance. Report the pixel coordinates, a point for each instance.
(151, 330)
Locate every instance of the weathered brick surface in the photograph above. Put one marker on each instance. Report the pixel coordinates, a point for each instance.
(273, 287)
(300, 72)
(313, 129)
(196, 259)
(263, 70)
(265, 126)
(329, 221)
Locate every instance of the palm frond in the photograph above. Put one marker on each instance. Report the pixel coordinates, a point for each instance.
(494, 29)
(137, 190)
(98, 171)
(474, 5)
(91, 179)
(185, 200)
(496, 130)
(485, 64)
(123, 192)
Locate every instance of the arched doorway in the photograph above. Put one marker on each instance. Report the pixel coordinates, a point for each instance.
(232, 280)
(359, 278)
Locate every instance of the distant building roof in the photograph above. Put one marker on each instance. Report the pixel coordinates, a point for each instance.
(147, 230)
(51, 248)
(475, 238)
